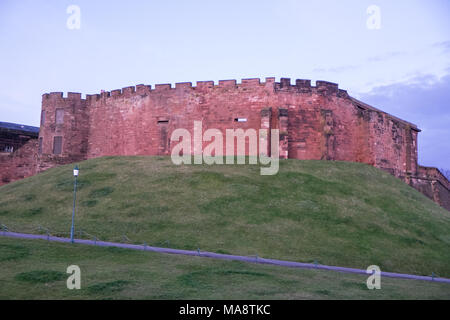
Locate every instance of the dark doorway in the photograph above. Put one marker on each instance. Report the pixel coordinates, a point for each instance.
(164, 144)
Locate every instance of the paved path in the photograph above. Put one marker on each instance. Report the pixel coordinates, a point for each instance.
(255, 259)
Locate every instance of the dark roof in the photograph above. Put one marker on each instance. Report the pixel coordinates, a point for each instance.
(18, 127)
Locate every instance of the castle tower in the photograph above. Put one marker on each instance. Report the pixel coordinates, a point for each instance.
(63, 131)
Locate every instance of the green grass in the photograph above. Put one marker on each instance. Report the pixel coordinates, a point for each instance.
(40, 276)
(336, 213)
(112, 273)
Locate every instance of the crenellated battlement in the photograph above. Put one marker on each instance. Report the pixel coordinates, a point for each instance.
(162, 87)
(305, 86)
(205, 84)
(92, 97)
(284, 85)
(116, 93)
(183, 85)
(73, 96)
(52, 95)
(128, 91)
(143, 89)
(227, 83)
(253, 82)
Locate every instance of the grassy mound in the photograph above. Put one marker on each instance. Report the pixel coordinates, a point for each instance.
(335, 213)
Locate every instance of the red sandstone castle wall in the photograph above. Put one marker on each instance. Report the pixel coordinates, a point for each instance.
(72, 128)
(431, 182)
(20, 164)
(135, 122)
(393, 142)
(321, 122)
(315, 122)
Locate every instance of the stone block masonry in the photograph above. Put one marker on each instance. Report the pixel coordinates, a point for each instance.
(20, 163)
(319, 122)
(18, 151)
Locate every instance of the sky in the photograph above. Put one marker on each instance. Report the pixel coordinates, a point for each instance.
(396, 58)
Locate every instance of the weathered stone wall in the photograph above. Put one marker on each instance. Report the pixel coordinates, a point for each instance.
(19, 164)
(320, 122)
(432, 183)
(71, 127)
(315, 122)
(443, 194)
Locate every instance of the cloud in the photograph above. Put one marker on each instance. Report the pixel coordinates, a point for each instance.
(386, 56)
(425, 101)
(445, 45)
(337, 69)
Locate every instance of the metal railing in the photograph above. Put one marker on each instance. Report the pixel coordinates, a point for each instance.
(41, 232)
